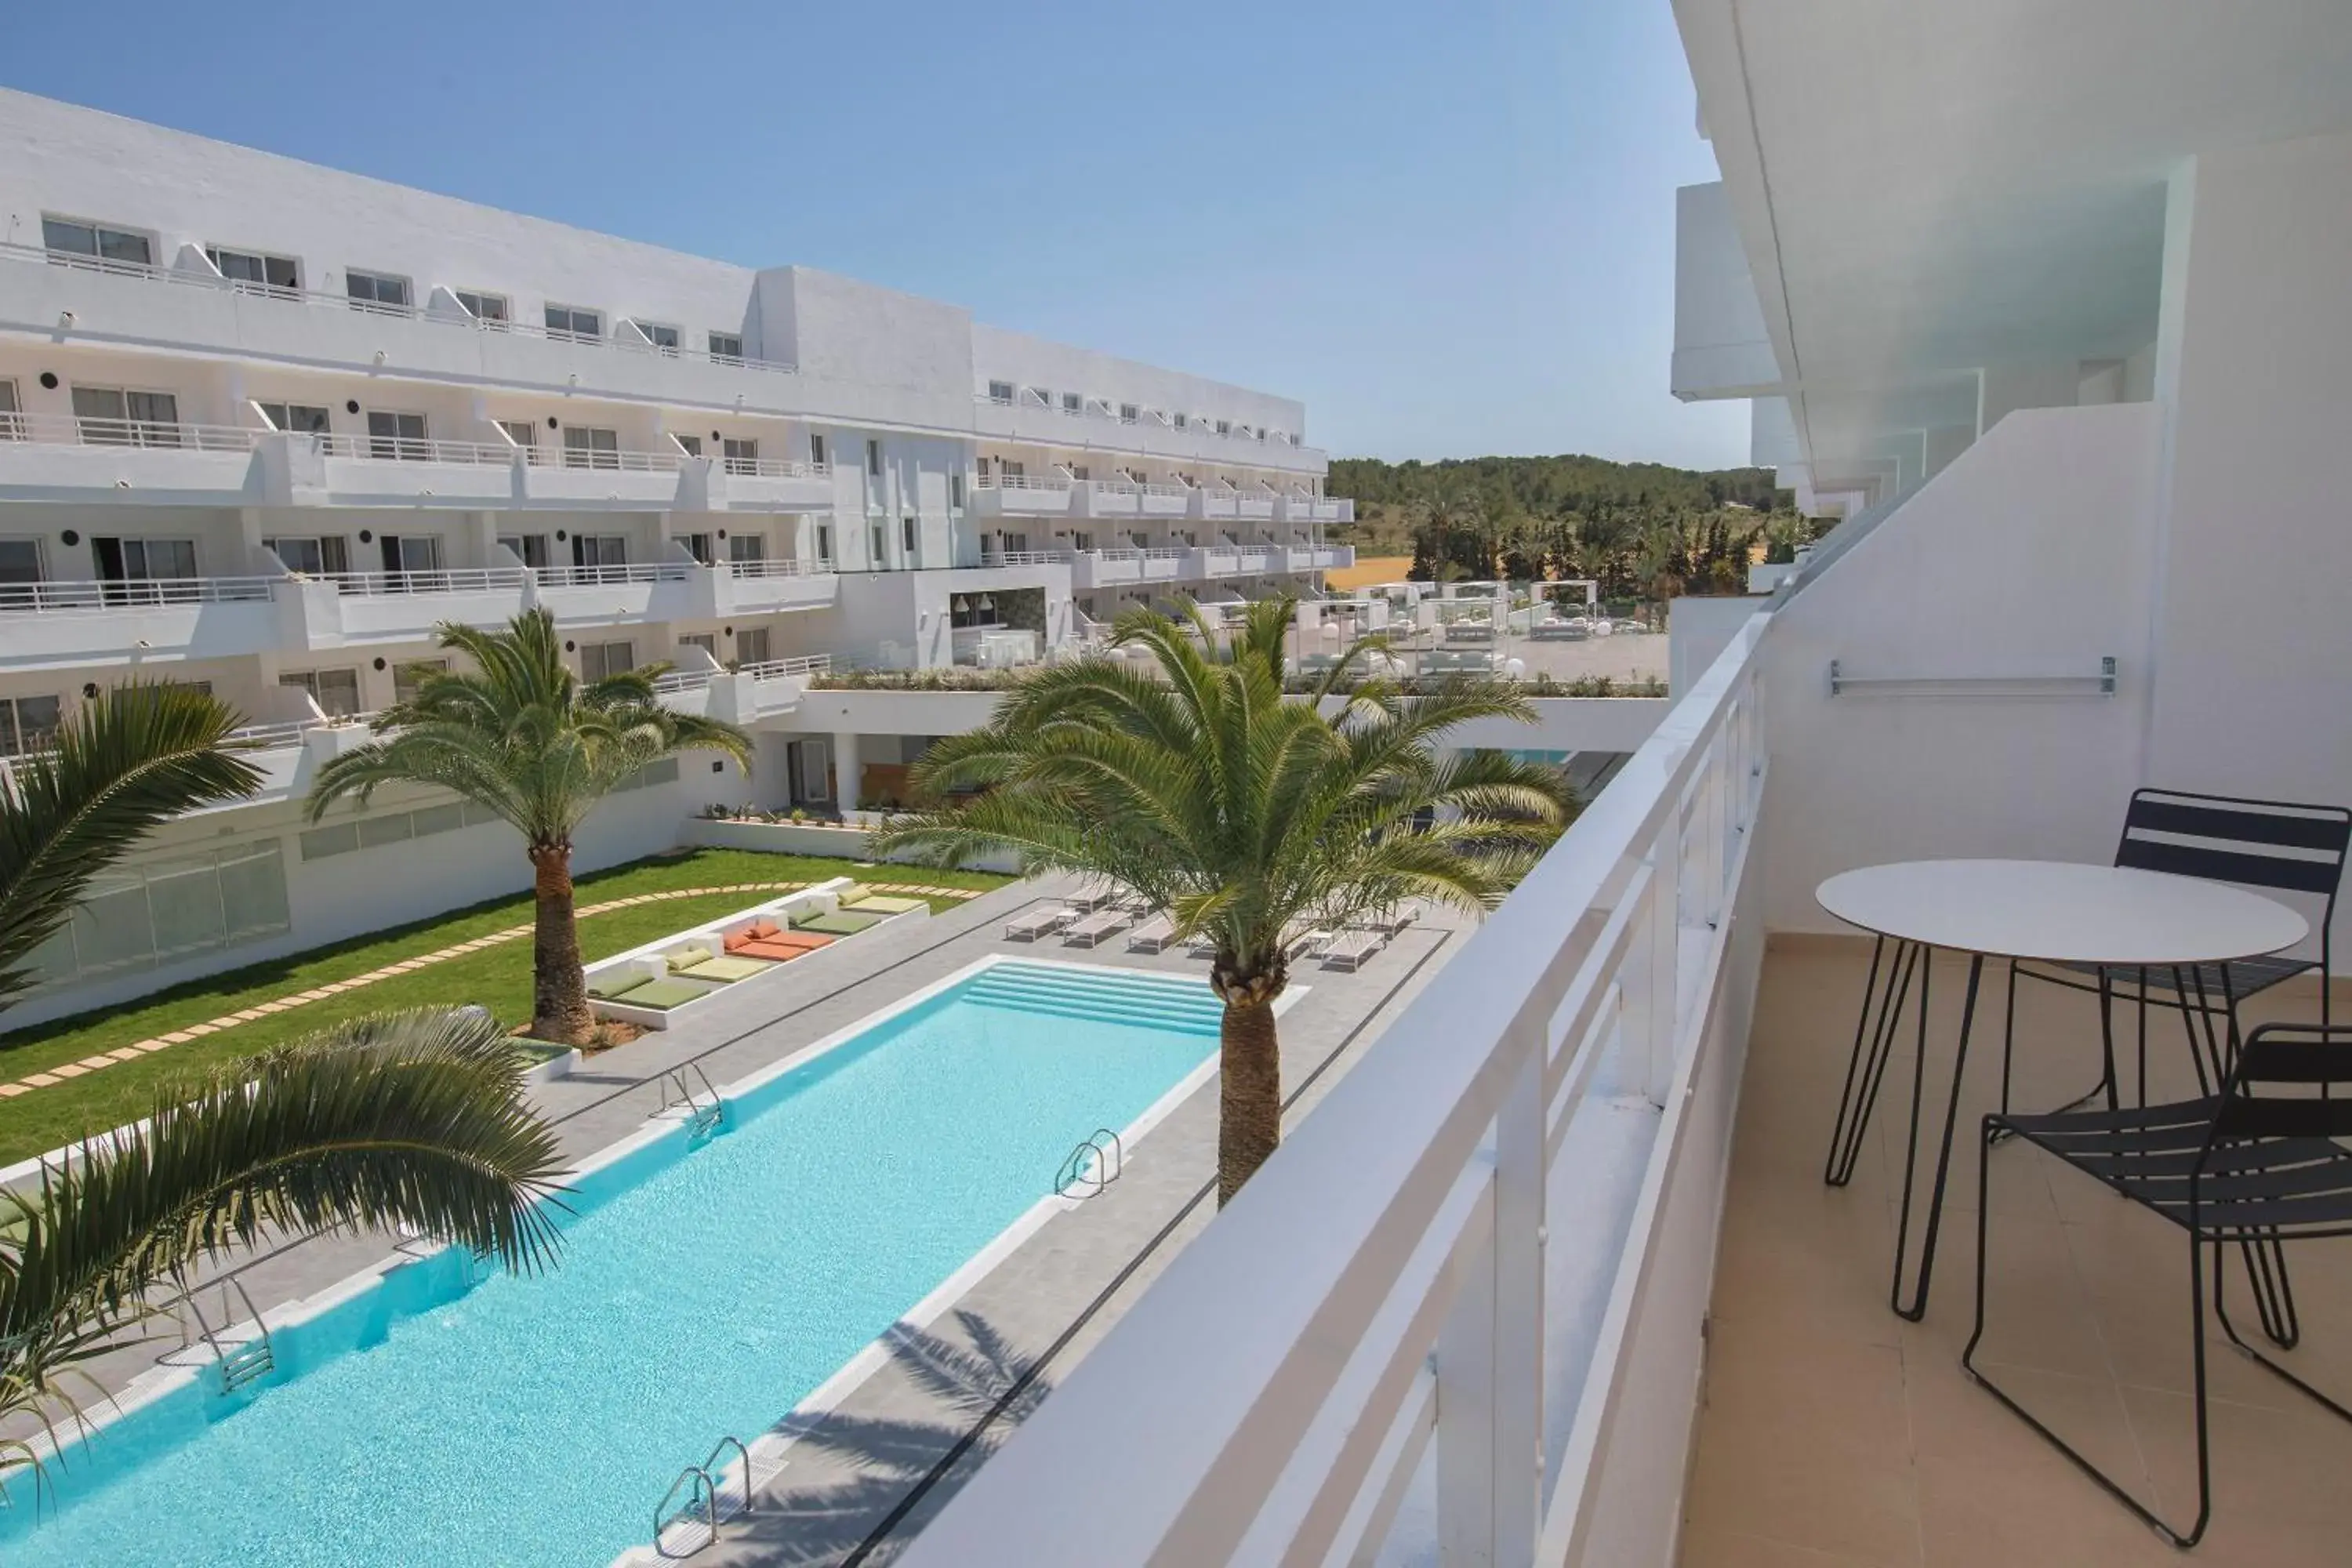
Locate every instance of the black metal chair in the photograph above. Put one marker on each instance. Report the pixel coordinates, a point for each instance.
(2246, 1165)
(2278, 846)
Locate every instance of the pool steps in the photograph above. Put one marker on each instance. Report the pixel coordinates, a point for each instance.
(1123, 996)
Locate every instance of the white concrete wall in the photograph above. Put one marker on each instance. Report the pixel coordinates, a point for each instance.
(1721, 348)
(2068, 495)
(2254, 693)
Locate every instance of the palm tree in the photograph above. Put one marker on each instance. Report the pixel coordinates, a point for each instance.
(522, 736)
(130, 760)
(414, 1119)
(1247, 817)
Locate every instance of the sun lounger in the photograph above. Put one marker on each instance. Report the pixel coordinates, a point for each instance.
(858, 896)
(1306, 943)
(1350, 948)
(724, 971)
(1031, 925)
(1388, 923)
(1152, 935)
(1092, 931)
(662, 995)
(1087, 903)
(840, 923)
(780, 949)
(613, 987)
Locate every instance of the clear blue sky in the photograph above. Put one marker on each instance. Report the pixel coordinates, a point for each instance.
(1448, 226)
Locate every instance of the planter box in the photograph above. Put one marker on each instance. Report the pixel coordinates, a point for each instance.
(849, 843)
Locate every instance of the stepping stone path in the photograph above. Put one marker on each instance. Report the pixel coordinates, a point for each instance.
(133, 1052)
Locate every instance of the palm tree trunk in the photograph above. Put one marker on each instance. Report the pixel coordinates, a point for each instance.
(559, 988)
(1249, 1070)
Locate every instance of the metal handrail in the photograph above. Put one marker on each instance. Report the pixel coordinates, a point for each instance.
(430, 580)
(602, 460)
(778, 567)
(1022, 482)
(1109, 1162)
(116, 593)
(710, 1467)
(776, 467)
(417, 449)
(702, 1492)
(601, 576)
(803, 664)
(169, 435)
(1024, 557)
(152, 272)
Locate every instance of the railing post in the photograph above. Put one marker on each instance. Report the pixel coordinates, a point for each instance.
(1489, 1361)
(1649, 983)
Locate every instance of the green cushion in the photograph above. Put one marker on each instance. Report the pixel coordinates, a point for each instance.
(664, 993)
(612, 988)
(856, 892)
(723, 970)
(842, 924)
(884, 904)
(692, 953)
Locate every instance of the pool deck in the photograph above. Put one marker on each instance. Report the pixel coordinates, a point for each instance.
(855, 1465)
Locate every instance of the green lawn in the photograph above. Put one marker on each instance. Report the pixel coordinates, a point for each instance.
(498, 978)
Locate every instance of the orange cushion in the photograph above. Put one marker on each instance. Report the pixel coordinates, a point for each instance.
(762, 927)
(736, 943)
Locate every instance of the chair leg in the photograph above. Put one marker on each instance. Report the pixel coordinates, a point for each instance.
(2229, 1329)
(2196, 1532)
(1865, 1068)
(2266, 1273)
(1918, 1307)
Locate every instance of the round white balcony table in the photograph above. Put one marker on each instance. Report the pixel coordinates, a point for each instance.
(2050, 911)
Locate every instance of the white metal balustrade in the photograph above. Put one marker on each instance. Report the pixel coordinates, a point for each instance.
(607, 576)
(1024, 557)
(780, 668)
(438, 580)
(415, 450)
(779, 566)
(316, 299)
(1379, 1287)
(115, 594)
(1055, 485)
(73, 430)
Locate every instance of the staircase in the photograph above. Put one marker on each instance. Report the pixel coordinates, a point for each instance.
(1148, 1001)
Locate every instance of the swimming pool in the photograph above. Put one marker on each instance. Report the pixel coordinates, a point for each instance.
(702, 1290)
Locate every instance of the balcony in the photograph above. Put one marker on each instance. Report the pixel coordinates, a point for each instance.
(1017, 495)
(638, 590)
(44, 625)
(61, 457)
(754, 587)
(759, 484)
(1022, 419)
(405, 606)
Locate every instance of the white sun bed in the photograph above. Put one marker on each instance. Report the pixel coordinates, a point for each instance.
(1388, 923)
(1350, 948)
(1091, 900)
(1097, 928)
(1152, 935)
(1033, 924)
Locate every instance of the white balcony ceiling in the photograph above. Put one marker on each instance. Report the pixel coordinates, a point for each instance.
(1928, 187)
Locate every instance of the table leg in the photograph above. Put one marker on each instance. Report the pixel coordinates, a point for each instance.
(1874, 1043)
(1918, 1307)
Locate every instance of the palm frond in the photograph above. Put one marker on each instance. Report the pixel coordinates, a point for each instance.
(129, 760)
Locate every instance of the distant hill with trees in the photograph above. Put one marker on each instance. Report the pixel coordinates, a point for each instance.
(1643, 529)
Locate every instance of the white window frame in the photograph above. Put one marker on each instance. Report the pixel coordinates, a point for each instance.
(280, 413)
(589, 453)
(373, 303)
(96, 256)
(290, 289)
(739, 454)
(1001, 392)
(731, 355)
(603, 651)
(1127, 412)
(1074, 403)
(476, 302)
(405, 448)
(677, 345)
(571, 332)
(816, 449)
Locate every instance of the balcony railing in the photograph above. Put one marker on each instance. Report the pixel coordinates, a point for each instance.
(1054, 484)
(778, 567)
(605, 576)
(37, 598)
(316, 299)
(1024, 557)
(73, 430)
(776, 467)
(601, 460)
(416, 449)
(436, 580)
(779, 669)
(1379, 1286)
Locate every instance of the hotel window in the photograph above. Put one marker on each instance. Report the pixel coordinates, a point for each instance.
(727, 347)
(376, 292)
(1128, 414)
(752, 646)
(27, 725)
(316, 555)
(586, 447)
(65, 238)
(20, 569)
(603, 660)
(742, 456)
(336, 691)
(1043, 398)
(1000, 392)
(698, 546)
(399, 437)
(906, 536)
(879, 536)
(663, 338)
(521, 432)
(955, 490)
(690, 445)
(1178, 420)
(707, 641)
(488, 309)
(816, 449)
(1081, 472)
(874, 459)
(408, 677)
(12, 422)
(1073, 403)
(295, 418)
(572, 323)
(825, 543)
(246, 268)
(143, 570)
(599, 550)
(111, 417)
(531, 549)
(747, 547)
(1225, 427)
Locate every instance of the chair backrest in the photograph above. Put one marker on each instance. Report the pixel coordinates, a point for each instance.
(2313, 1062)
(2279, 846)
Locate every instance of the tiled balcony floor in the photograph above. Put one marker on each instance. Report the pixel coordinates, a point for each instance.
(1836, 1435)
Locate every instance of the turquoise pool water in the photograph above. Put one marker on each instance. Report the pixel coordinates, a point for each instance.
(702, 1290)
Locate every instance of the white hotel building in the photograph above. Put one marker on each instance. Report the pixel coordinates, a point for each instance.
(264, 424)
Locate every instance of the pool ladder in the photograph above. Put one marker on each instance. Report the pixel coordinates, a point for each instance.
(1095, 1163)
(240, 1363)
(703, 1504)
(700, 1117)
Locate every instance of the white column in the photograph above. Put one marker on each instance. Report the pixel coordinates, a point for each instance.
(846, 770)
